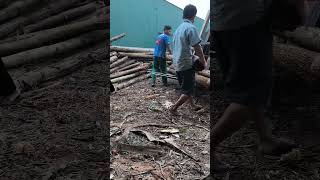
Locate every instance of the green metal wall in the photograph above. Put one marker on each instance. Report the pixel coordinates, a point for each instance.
(141, 20)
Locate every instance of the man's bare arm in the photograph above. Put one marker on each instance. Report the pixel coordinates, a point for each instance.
(199, 52)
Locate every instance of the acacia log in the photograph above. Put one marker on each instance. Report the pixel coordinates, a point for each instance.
(119, 74)
(20, 22)
(205, 73)
(17, 8)
(130, 66)
(117, 37)
(113, 54)
(52, 36)
(32, 79)
(118, 62)
(113, 59)
(61, 18)
(141, 55)
(46, 52)
(296, 59)
(307, 37)
(132, 81)
(126, 64)
(203, 81)
(131, 49)
(127, 77)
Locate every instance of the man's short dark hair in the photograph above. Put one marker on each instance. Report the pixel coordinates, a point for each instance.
(189, 11)
(167, 28)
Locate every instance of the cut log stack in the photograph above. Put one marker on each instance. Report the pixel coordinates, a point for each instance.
(301, 52)
(125, 70)
(51, 38)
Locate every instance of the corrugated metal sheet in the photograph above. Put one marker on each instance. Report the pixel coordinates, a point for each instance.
(142, 20)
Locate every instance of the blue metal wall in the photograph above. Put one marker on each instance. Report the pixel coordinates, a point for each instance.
(141, 20)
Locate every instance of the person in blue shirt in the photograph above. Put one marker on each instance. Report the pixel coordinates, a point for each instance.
(186, 39)
(159, 60)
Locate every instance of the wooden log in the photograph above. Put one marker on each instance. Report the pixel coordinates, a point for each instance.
(127, 77)
(33, 78)
(296, 60)
(205, 73)
(141, 55)
(118, 62)
(45, 52)
(4, 3)
(20, 22)
(16, 9)
(130, 66)
(132, 81)
(131, 49)
(61, 18)
(121, 66)
(117, 37)
(113, 54)
(52, 36)
(113, 59)
(123, 73)
(307, 37)
(202, 81)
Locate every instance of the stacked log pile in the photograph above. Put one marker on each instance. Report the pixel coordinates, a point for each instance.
(146, 55)
(125, 70)
(300, 53)
(43, 40)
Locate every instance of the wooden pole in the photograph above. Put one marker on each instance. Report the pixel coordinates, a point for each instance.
(121, 66)
(113, 59)
(118, 62)
(52, 36)
(61, 18)
(130, 66)
(131, 49)
(117, 37)
(45, 52)
(119, 74)
(127, 77)
(132, 81)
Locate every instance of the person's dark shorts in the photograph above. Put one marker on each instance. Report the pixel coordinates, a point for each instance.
(245, 60)
(186, 81)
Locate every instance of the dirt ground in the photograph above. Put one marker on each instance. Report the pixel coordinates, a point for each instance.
(58, 131)
(295, 115)
(135, 157)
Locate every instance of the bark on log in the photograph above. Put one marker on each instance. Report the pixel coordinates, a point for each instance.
(4, 3)
(52, 36)
(132, 81)
(127, 77)
(121, 66)
(16, 9)
(296, 59)
(130, 66)
(205, 73)
(113, 54)
(117, 37)
(61, 18)
(141, 55)
(202, 81)
(307, 37)
(118, 62)
(113, 59)
(123, 73)
(131, 49)
(46, 52)
(20, 22)
(32, 79)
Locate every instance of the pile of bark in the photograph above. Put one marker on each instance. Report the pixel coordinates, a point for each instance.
(43, 40)
(125, 70)
(299, 52)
